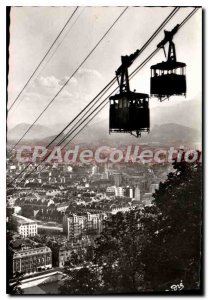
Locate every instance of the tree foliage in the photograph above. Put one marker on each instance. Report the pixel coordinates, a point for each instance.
(81, 281)
(15, 287)
(173, 230)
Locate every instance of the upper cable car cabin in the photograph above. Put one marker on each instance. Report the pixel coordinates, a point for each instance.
(129, 111)
(168, 78)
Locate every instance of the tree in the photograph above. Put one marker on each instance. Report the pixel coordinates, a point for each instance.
(27, 210)
(172, 251)
(83, 281)
(15, 287)
(55, 247)
(117, 253)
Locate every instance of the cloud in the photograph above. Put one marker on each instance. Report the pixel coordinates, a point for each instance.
(49, 82)
(75, 95)
(92, 72)
(50, 85)
(72, 81)
(45, 86)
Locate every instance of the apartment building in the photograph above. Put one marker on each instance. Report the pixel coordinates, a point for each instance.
(24, 226)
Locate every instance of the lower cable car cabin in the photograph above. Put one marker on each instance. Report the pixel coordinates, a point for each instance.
(168, 79)
(129, 112)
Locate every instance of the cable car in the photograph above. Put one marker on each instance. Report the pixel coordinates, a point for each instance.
(168, 78)
(129, 111)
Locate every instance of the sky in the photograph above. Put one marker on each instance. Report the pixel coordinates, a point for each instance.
(33, 30)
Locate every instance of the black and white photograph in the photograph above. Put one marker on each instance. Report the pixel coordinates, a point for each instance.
(104, 162)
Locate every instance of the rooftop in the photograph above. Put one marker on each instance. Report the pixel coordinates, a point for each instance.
(22, 220)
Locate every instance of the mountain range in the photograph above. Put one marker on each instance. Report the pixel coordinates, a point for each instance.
(181, 123)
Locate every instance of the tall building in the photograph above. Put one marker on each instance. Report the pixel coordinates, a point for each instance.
(111, 190)
(119, 192)
(24, 226)
(94, 170)
(130, 193)
(104, 175)
(137, 194)
(115, 191)
(62, 252)
(106, 172)
(117, 177)
(73, 225)
(153, 187)
(94, 223)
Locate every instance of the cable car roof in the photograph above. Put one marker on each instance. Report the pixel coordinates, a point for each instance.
(168, 65)
(129, 95)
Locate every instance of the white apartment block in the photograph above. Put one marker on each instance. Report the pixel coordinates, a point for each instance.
(119, 192)
(24, 226)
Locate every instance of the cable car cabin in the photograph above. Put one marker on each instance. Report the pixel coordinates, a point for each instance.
(168, 79)
(129, 112)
